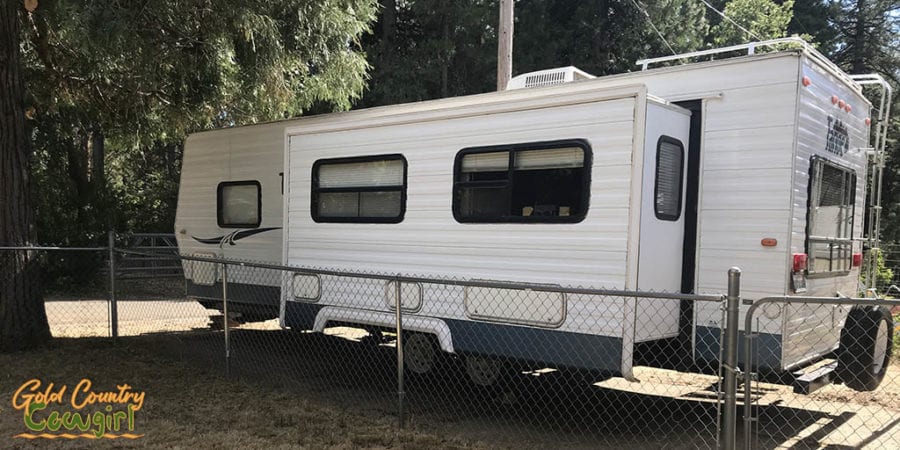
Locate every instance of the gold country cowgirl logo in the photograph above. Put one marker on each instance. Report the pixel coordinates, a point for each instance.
(52, 412)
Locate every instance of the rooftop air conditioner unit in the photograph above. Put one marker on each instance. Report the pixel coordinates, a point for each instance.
(548, 77)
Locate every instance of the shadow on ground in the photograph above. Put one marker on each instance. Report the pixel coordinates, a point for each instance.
(540, 409)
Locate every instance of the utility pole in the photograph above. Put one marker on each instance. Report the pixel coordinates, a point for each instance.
(504, 44)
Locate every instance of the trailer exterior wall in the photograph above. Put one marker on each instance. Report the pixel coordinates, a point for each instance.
(761, 126)
(429, 241)
(249, 153)
(811, 331)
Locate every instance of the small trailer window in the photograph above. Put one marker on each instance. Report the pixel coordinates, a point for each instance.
(832, 193)
(370, 189)
(238, 204)
(669, 178)
(535, 182)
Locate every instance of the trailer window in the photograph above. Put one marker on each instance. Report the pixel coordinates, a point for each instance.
(534, 182)
(238, 204)
(832, 193)
(369, 189)
(669, 178)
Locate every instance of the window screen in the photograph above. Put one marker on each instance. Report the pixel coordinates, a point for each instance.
(669, 178)
(239, 204)
(534, 182)
(368, 189)
(829, 233)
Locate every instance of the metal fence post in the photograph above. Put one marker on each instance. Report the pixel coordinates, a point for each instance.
(225, 321)
(113, 306)
(732, 308)
(401, 393)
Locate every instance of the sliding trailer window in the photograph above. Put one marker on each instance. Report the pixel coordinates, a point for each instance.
(539, 182)
(239, 204)
(369, 189)
(829, 227)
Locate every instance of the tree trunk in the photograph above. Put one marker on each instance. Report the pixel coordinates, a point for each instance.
(858, 59)
(388, 26)
(23, 321)
(98, 152)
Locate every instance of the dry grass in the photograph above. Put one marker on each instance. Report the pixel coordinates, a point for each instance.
(190, 407)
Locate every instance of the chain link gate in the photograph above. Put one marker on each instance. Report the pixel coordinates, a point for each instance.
(821, 372)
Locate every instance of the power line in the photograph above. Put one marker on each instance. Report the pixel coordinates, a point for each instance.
(732, 21)
(650, 21)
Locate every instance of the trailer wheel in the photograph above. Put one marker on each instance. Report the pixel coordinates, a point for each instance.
(420, 353)
(865, 348)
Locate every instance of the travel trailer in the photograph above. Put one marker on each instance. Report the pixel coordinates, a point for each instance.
(660, 180)
(230, 206)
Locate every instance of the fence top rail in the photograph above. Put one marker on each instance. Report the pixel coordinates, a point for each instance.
(39, 248)
(538, 287)
(748, 320)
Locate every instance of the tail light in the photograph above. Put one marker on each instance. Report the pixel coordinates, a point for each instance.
(800, 260)
(857, 259)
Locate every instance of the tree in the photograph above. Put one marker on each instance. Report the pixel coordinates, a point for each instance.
(764, 19)
(868, 37)
(813, 19)
(604, 36)
(23, 320)
(429, 49)
(119, 84)
(869, 33)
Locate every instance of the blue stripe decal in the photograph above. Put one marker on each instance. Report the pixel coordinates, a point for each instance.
(240, 293)
(766, 348)
(551, 347)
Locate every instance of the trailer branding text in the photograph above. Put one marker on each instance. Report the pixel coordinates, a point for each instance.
(95, 414)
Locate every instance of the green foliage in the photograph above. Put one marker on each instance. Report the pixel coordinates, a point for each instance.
(884, 275)
(604, 37)
(765, 19)
(813, 19)
(431, 49)
(141, 75)
(120, 84)
(896, 351)
(869, 34)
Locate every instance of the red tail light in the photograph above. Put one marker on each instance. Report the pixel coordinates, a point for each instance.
(857, 259)
(800, 260)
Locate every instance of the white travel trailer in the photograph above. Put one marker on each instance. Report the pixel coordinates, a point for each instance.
(655, 180)
(230, 205)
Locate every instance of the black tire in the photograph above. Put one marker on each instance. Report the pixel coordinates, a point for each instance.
(421, 353)
(857, 366)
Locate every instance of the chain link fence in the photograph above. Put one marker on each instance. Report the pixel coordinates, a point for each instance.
(498, 362)
(826, 373)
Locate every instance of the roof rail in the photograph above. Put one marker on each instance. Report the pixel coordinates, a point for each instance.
(750, 48)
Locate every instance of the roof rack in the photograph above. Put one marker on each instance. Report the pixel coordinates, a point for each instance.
(750, 49)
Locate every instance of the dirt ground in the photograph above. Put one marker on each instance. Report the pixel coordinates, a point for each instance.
(289, 389)
(188, 406)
